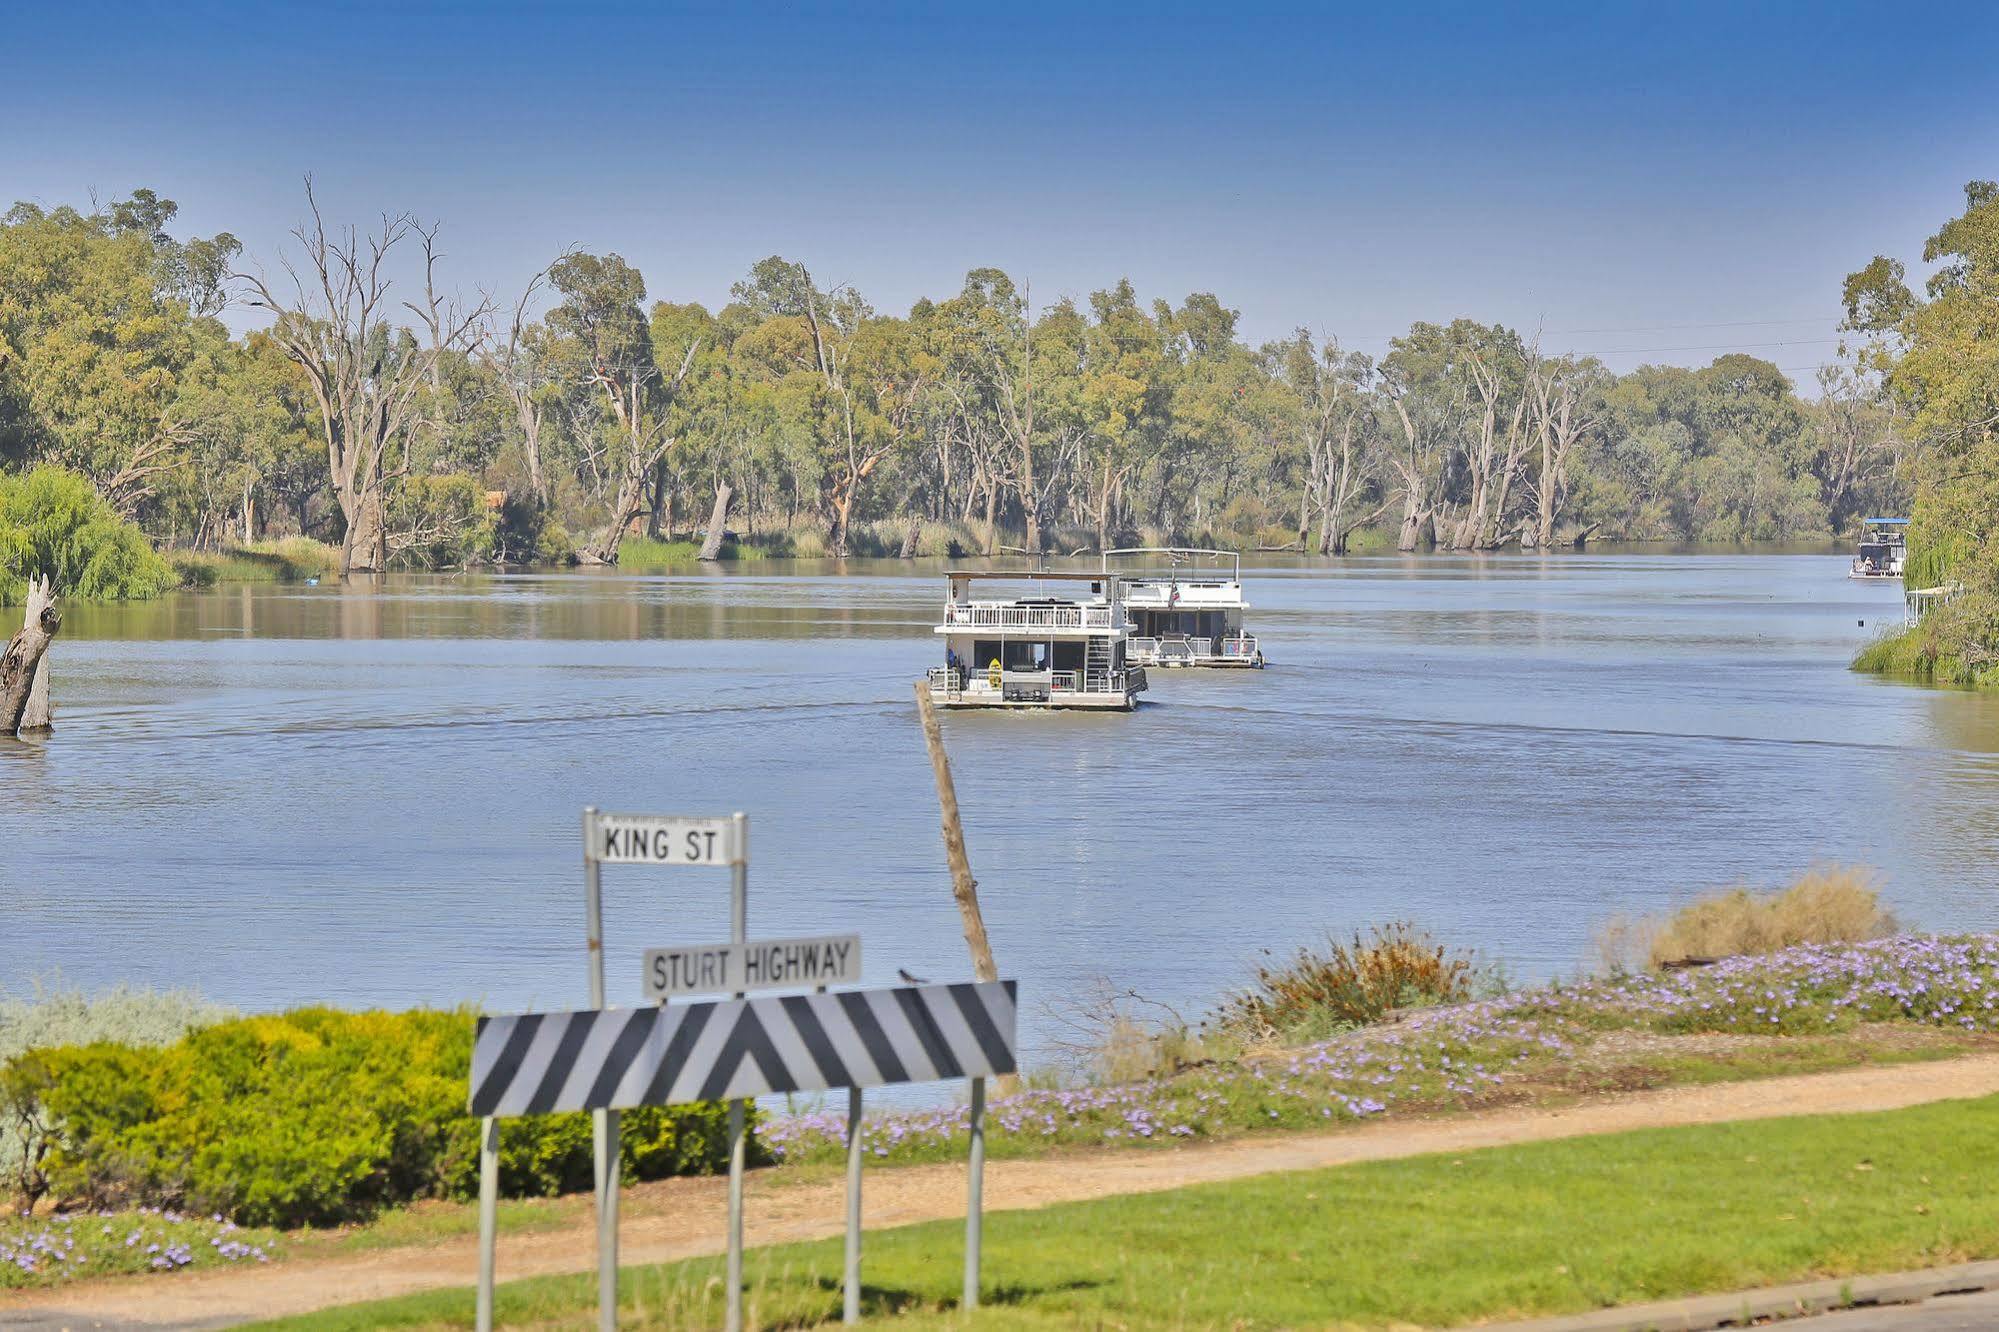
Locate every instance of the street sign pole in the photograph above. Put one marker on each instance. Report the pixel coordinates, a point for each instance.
(739, 1048)
(851, 1308)
(739, 911)
(489, 1216)
(974, 1194)
(604, 1123)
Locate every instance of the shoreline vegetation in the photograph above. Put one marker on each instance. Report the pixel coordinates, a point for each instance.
(565, 419)
(221, 1121)
(1937, 362)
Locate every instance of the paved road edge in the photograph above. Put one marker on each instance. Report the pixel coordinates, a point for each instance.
(1798, 1300)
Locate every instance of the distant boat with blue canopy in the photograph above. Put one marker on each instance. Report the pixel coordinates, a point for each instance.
(1884, 548)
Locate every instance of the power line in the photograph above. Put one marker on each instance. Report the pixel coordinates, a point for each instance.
(1727, 323)
(1713, 346)
(1646, 328)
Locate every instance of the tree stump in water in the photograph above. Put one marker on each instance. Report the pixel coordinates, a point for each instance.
(22, 666)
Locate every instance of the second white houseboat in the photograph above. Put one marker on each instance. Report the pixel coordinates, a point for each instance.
(1035, 640)
(1186, 607)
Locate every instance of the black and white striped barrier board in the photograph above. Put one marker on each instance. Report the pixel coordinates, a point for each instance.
(613, 1059)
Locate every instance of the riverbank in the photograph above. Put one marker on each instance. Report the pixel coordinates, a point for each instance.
(1166, 1210)
(1537, 1063)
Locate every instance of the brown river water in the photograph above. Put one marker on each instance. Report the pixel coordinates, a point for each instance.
(369, 795)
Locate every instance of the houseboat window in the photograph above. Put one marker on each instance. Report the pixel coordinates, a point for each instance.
(1024, 655)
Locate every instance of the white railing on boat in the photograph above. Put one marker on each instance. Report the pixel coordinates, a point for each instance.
(947, 683)
(1002, 615)
(1177, 650)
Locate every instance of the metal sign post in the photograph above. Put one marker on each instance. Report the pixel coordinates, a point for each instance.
(739, 914)
(850, 1309)
(489, 1216)
(975, 1186)
(603, 1123)
(621, 839)
(605, 1060)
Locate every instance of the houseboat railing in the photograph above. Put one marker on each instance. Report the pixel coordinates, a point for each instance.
(974, 615)
(1166, 651)
(947, 683)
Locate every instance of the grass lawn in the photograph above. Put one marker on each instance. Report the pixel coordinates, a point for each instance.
(1545, 1228)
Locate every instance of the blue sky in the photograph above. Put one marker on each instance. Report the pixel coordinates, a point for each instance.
(1649, 182)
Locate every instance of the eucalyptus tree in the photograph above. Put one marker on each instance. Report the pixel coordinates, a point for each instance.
(1499, 367)
(1338, 430)
(1939, 362)
(1565, 400)
(524, 367)
(991, 337)
(1425, 393)
(633, 384)
(1861, 445)
(867, 379)
(1126, 397)
(104, 320)
(366, 374)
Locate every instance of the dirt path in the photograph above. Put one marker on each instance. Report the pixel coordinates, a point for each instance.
(683, 1218)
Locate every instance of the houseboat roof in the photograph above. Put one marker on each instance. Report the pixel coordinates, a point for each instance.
(1182, 560)
(1015, 575)
(1886, 522)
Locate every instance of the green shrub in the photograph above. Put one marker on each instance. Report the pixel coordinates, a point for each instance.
(448, 517)
(553, 544)
(56, 1016)
(53, 523)
(312, 1117)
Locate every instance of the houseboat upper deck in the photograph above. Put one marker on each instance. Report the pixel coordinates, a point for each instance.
(1035, 639)
(1186, 606)
(1884, 548)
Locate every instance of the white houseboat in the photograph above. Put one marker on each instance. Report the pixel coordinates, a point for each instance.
(1186, 607)
(1884, 547)
(1035, 640)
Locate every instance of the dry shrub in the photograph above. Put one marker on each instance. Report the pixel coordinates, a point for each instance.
(1110, 1036)
(1350, 984)
(1826, 904)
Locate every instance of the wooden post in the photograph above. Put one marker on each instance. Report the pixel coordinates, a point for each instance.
(21, 663)
(963, 886)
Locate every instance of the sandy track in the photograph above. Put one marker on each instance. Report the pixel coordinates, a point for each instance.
(684, 1218)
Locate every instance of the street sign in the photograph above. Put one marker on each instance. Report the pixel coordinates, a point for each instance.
(658, 839)
(614, 1059)
(762, 964)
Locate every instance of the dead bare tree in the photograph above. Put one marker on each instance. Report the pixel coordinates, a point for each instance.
(1560, 422)
(1493, 459)
(366, 375)
(521, 364)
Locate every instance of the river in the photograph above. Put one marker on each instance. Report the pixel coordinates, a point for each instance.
(370, 796)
